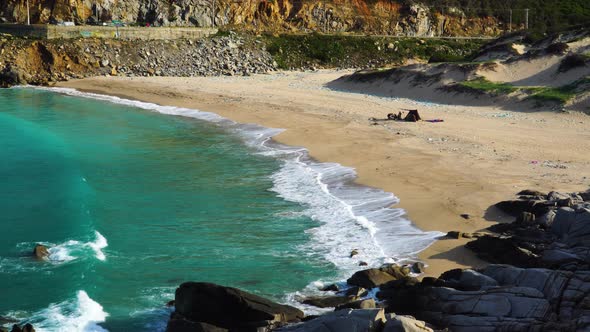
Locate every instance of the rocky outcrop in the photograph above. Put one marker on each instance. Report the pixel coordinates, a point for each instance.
(40, 252)
(25, 328)
(368, 320)
(371, 278)
(227, 308)
(42, 62)
(499, 297)
(551, 230)
(383, 17)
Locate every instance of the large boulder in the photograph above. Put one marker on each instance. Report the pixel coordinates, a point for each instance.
(329, 301)
(371, 278)
(504, 250)
(230, 308)
(398, 323)
(347, 320)
(183, 325)
(40, 251)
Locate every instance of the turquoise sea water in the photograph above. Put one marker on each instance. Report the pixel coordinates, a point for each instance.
(133, 202)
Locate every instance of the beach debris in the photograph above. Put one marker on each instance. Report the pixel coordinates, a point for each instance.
(454, 234)
(465, 216)
(361, 263)
(354, 252)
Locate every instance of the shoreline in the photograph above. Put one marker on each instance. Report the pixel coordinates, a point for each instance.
(434, 187)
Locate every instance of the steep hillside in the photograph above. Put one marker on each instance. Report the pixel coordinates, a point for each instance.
(380, 16)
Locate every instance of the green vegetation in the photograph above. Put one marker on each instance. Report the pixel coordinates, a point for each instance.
(481, 84)
(544, 15)
(547, 94)
(296, 51)
(561, 94)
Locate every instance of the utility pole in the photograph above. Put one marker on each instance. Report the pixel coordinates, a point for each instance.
(526, 18)
(213, 14)
(510, 24)
(28, 14)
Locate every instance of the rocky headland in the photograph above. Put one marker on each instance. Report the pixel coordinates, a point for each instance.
(539, 281)
(40, 62)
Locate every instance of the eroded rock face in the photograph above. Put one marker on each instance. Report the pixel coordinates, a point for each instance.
(379, 16)
(228, 308)
(46, 61)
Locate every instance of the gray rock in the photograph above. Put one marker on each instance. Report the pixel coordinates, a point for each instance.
(210, 303)
(347, 320)
(398, 323)
(329, 301)
(360, 304)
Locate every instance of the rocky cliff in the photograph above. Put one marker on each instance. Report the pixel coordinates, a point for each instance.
(383, 17)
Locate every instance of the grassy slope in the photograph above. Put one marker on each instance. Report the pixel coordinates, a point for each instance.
(559, 95)
(296, 51)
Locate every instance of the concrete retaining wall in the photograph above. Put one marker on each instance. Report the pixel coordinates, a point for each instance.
(85, 31)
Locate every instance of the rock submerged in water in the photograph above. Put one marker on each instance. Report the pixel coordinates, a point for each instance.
(227, 308)
(41, 252)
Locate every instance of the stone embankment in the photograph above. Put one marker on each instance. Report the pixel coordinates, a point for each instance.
(41, 62)
(546, 287)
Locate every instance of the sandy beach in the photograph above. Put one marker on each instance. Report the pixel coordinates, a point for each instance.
(475, 158)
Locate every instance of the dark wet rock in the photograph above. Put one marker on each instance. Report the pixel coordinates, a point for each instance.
(526, 217)
(329, 301)
(26, 328)
(418, 267)
(170, 303)
(40, 251)
(374, 277)
(497, 249)
(11, 76)
(454, 234)
(346, 320)
(467, 280)
(361, 263)
(465, 216)
(533, 193)
(183, 325)
(230, 308)
(331, 287)
(353, 253)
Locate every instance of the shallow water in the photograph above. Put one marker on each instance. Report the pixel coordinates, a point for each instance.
(133, 201)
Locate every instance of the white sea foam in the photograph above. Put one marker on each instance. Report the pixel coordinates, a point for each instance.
(348, 216)
(72, 249)
(76, 315)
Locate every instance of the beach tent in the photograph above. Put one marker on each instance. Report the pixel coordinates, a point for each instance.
(412, 116)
